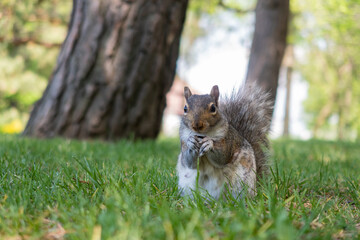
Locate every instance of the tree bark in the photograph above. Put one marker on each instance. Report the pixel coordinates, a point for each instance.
(269, 43)
(114, 69)
(345, 93)
(286, 131)
(288, 62)
(324, 113)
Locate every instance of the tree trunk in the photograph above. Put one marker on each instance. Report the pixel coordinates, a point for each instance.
(287, 102)
(345, 89)
(268, 44)
(289, 64)
(324, 113)
(114, 69)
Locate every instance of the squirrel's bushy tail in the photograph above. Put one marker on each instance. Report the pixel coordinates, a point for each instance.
(249, 111)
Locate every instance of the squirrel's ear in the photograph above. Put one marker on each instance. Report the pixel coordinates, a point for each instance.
(187, 92)
(215, 93)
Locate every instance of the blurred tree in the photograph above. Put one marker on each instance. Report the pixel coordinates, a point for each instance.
(115, 66)
(210, 11)
(31, 34)
(330, 32)
(269, 43)
(269, 40)
(37, 26)
(288, 63)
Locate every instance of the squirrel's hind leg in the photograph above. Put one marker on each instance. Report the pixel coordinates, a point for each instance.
(241, 173)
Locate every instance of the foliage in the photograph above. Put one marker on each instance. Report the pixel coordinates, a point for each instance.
(125, 190)
(329, 35)
(327, 31)
(31, 34)
(203, 17)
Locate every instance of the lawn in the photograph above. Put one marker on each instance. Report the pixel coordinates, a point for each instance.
(54, 189)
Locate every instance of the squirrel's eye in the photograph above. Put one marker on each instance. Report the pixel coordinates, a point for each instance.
(185, 109)
(212, 108)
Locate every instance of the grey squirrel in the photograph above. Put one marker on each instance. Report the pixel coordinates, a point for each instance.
(229, 138)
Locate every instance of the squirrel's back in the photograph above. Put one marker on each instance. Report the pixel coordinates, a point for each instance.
(249, 111)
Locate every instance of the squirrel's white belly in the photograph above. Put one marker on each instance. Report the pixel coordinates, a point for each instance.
(211, 179)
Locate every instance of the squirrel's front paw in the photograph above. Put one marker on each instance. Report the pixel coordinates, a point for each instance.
(193, 144)
(206, 145)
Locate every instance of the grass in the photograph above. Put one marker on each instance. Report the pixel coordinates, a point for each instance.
(53, 189)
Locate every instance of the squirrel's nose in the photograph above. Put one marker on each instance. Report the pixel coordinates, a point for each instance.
(198, 126)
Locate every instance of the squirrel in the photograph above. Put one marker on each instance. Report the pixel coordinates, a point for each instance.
(229, 138)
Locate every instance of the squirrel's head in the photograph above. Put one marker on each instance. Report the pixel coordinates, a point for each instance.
(201, 111)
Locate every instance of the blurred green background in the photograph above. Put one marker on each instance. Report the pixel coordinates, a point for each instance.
(325, 35)
(30, 38)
